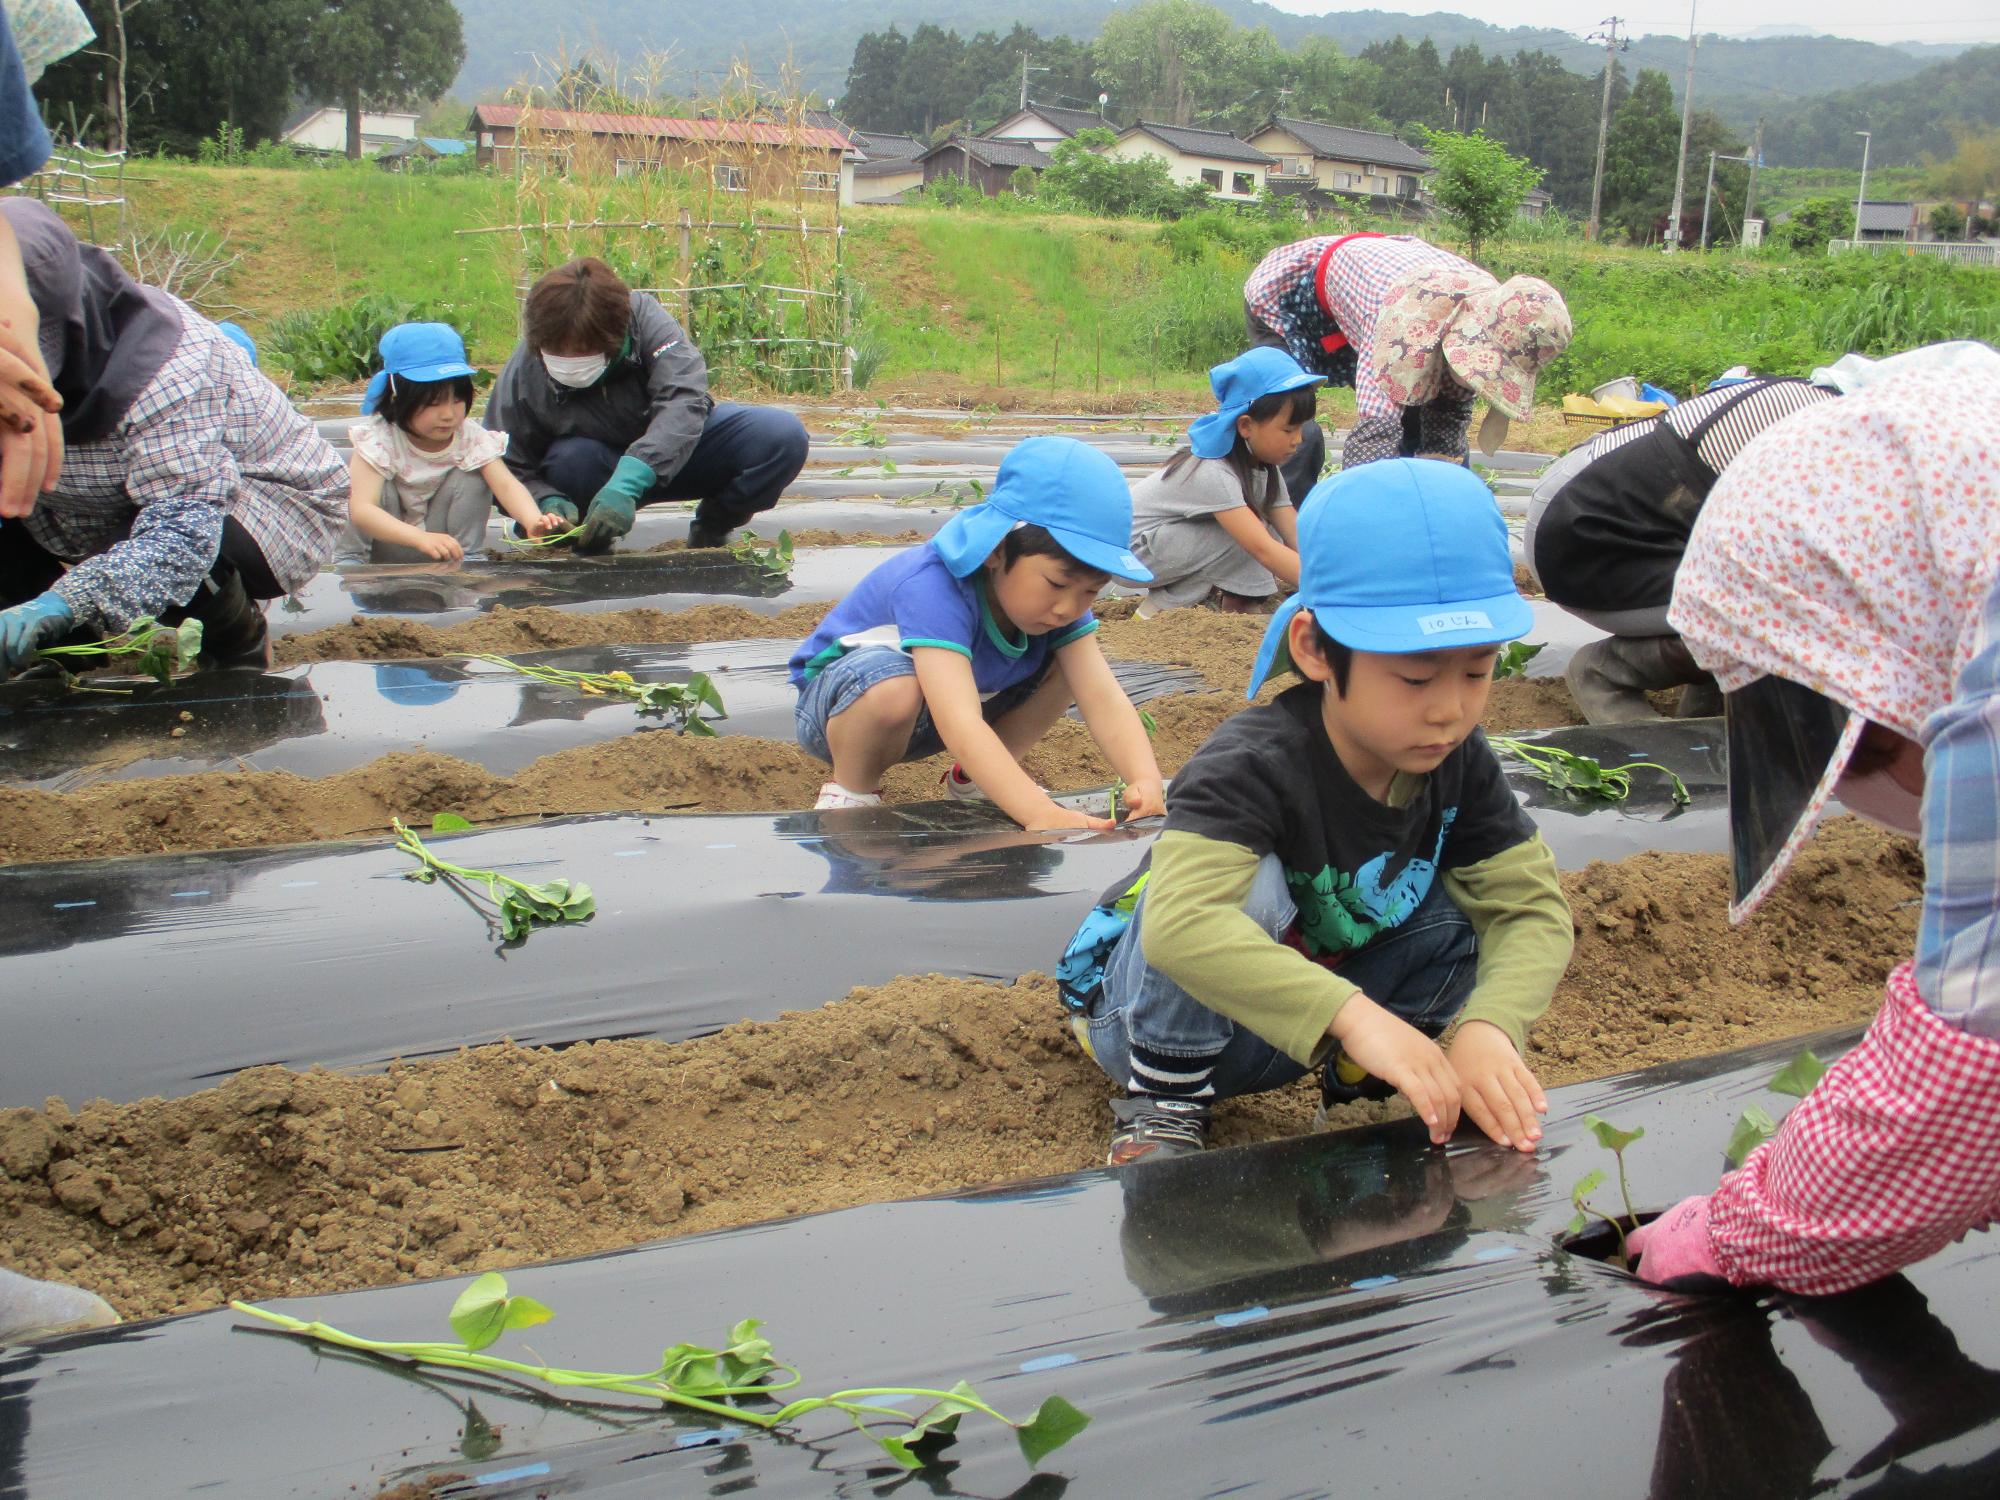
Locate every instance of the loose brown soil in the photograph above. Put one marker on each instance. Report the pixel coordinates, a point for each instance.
(284, 1184)
(540, 628)
(651, 773)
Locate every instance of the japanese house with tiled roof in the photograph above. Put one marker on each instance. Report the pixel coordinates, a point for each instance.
(1337, 159)
(1231, 169)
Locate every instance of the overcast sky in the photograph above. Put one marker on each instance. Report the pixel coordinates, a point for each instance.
(1868, 20)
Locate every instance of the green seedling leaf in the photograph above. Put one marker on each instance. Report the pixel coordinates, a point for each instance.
(888, 467)
(1609, 1136)
(449, 822)
(1798, 1076)
(940, 1420)
(898, 1450)
(1052, 1425)
(1753, 1127)
(1148, 723)
(484, 1311)
(1514, 658)
(1587, 1184)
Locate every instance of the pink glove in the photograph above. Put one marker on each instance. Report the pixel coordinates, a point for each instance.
(1674, 1250)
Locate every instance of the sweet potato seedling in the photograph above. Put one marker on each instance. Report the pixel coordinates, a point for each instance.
(1755, 1125)
(1514, 658)
(145, 646)
(713, 1381)
(772, 559)
(1614, 1140)
(1581, 777)
(683, 700)
(519, 906)
(537, 543)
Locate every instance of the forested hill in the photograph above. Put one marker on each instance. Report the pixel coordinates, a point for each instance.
(505, 38)
(1909, 120)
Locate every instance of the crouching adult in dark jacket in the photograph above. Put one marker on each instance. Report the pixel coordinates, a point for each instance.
(606, 408)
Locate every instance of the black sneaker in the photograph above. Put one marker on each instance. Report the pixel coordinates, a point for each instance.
(1344, 1081)
(1153, 1129)
(703, 535)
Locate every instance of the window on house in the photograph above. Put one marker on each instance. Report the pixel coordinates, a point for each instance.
(820, 182)
(729, 177)
(1406, 187)
(633, 166)
(1211, 178)
(1296, 166)
(1243, 184)
(1343, 181)
(551, 161)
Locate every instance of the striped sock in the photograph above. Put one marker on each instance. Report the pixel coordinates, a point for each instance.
(1167, 1076)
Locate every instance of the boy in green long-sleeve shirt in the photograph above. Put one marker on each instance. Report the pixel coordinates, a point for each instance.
(1343, 871)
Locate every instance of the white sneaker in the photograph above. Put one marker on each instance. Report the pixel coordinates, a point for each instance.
(833, 794)
(961, 787)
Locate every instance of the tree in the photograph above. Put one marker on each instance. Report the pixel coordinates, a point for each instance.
(1163, 58)
(387, 52)
(872, 101)
(1079, 178)
(1816, 221)
(928, 84)
(1972, 171)
(1639, 159)
(1478, 183)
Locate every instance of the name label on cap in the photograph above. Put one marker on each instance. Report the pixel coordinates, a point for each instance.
(1461, 619)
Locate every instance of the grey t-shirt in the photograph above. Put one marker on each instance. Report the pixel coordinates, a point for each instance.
(1201, 487)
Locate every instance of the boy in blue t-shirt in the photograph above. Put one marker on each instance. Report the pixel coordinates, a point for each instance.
(978, 641)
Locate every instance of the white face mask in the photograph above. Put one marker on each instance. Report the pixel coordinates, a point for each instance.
(1879, 799)
(575, 370)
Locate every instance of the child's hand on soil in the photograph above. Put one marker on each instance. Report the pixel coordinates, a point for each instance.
(1500, 1093)
(1145, 799)
(1059, 816)
(442, 548)
(1402, 1057)
(544, 523)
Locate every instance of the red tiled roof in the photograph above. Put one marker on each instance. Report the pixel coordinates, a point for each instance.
(731, 132)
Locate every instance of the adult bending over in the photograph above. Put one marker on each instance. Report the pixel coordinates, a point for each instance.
(1607, 526)
(1416, 331)
(1843, 584)
(606, 408)
(189, 486)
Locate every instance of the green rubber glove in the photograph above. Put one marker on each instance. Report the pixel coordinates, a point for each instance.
(613, 508)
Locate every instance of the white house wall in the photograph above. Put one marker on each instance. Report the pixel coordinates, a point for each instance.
(327, 129)
(1188, 169)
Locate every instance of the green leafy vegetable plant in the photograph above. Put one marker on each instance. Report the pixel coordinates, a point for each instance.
(684, 700)
(1514, 658)
(1614, 1140)
(712, 1381)
(867, 433)
(1581, 777)
(1755, 1125)
(772, 559)
(144, 646)
(520, 906)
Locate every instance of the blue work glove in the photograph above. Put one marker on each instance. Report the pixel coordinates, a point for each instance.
(612, 509)
(26, 628)
(554, 505)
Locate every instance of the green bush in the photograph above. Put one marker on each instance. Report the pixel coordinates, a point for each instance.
(325, 344)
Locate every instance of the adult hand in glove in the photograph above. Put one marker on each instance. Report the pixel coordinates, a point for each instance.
(562, 514)
(613, 507)
(26, 628)
(1674, 1251)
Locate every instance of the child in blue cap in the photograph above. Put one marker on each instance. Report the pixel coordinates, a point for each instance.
(979, 640)
(1344, 871)
(1218, 520)
(425, 476)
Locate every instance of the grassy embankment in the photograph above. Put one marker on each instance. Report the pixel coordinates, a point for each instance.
(1075, 311)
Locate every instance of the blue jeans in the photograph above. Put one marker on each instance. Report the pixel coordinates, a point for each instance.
(1421, 971)
(740, 465)
(841, 682)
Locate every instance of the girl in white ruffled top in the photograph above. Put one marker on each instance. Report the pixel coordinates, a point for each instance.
(425, 476)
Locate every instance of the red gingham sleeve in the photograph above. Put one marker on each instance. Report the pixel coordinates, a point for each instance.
(1895, 1154)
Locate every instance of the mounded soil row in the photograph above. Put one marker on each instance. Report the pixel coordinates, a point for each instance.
(656, 772)
(286, 1184)
(540, 628)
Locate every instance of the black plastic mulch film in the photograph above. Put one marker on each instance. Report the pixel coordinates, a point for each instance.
(1343, 1314)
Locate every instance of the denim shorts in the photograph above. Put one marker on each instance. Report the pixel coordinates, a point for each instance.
(841, 683)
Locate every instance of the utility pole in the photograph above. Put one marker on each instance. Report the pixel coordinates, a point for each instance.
(1861, 193)
(1687, 119)
(1025, 71)
(1609, 33)
(1756, 161)
(1709, 192)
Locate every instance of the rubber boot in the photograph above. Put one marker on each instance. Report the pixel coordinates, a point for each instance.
(233, 632)
(1609, 679)
(707, 531)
